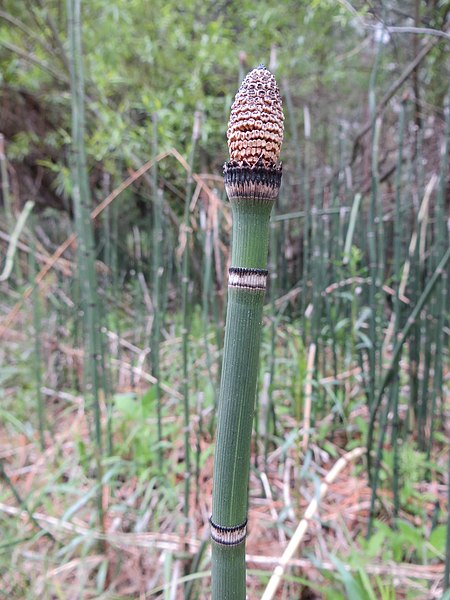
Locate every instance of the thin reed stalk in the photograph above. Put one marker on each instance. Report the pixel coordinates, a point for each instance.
(414, 268)
(37, 344)
(207, 291)
(157, 273)
(297, 188)
(6, 195)
(186, 313)
(395, 389)
(270, 408)
(442, 236)
(252, 181)
(107, 253)
(447, 537)
(305, 253)
(373, 244)
(86, 252)
(441, 308)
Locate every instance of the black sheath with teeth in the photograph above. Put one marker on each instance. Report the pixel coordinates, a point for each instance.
(249, 279)
(228, 536)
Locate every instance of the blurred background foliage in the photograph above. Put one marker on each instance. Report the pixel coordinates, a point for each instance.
(175, 58)
(356, 326)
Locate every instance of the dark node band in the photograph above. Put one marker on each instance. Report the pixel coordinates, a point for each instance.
(260, 182)
(249, 279)
(228, 536)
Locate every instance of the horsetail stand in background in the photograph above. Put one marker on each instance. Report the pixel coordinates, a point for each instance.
(252, 181)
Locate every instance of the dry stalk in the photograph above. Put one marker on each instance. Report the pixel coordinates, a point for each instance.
(313, 506)
(308, 396)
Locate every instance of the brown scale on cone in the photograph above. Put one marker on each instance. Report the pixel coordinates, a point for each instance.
(255, 129)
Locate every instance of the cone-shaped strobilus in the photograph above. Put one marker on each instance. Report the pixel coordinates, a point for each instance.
(252, 181)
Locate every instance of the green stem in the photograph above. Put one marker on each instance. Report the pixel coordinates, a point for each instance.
(394, 400)
(246, 290)
(270, 409)
(442, 238)
(252, 182)
(5, 186)
(37, 357)
(373, 243)
(157, 273)
(86, 250)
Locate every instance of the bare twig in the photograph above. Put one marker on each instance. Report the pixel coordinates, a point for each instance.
(419, 31)
(308, 396)
(389, 568)
(302, 527)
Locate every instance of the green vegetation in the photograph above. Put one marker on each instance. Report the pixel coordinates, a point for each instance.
(252, 184)
(115, 237)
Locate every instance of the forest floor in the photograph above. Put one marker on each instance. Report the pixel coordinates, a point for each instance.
(142, 549)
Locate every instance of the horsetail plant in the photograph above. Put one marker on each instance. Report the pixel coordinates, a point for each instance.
(4, 186)
(37, 342)
(157, 273)
(252, 181)
(93, 375)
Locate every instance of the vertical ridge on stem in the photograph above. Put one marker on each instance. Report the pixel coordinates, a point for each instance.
(252, 181)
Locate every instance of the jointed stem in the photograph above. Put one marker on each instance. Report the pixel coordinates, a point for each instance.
(252, 186)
